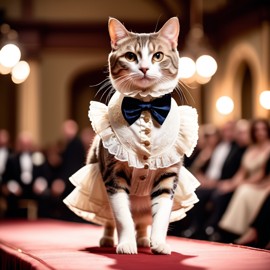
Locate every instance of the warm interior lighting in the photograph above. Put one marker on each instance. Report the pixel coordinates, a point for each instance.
(265, 99)
(4, 70)
(225, 105)
(206, 66)
(197, 47)
(202, 80)
(187, 68)
(20, 72)
(10, 55)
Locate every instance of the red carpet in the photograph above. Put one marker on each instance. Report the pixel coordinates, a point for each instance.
(50, 244)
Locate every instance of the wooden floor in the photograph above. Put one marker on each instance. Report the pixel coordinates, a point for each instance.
(51, 244)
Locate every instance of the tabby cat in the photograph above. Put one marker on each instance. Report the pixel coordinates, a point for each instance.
(134, 180)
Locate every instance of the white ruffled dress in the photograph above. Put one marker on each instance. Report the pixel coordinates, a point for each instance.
(145, 146)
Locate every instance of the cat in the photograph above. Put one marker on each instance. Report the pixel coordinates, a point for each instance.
(134, 175)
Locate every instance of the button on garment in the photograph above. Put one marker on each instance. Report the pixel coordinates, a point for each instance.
(146, 143)
(168, 143)
(142, 182)
(147, 131)
(142, 177)
(144, 138)
(147, 118)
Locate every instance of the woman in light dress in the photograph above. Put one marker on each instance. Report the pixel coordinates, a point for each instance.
(250, 181)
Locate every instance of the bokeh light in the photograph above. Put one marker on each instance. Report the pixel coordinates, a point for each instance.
(225, 105)
(187, 68)
(4, 70)
(206, 66)
(10, 55)
(265, 99)
(20, 72)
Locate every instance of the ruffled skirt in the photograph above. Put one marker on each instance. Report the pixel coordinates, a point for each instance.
(90, 201)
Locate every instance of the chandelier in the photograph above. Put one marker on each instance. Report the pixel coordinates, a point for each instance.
(10, 56)
(197, 62)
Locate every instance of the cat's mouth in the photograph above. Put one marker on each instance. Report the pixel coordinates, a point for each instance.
(145, 81)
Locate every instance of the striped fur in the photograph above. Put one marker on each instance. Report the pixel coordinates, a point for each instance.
(144, 66)
(137, 213)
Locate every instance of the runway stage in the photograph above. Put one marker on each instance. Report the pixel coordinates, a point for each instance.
(51, 244)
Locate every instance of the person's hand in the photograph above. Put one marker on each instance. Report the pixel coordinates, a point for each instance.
(225, 187)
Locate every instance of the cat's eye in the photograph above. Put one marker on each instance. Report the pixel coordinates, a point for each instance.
(131, 57)
(158, 56)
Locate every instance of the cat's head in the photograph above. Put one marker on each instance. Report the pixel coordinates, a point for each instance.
(144, 65)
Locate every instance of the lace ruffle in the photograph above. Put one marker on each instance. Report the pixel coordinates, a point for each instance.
(187, 138)
(188, 133)
(90, 201)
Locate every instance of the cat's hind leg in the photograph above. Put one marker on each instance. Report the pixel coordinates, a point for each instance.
(107, 239)
(141, 212)
(142, 237)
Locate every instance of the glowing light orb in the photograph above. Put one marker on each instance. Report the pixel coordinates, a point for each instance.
(20, 72)
(225, 105)
(4, 70)
(206, 66)
(187, 68)
(265, 99)
(10, 55)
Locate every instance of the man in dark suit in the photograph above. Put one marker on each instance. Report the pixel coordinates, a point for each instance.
(5, 156)
(72, 156)
(27, 179)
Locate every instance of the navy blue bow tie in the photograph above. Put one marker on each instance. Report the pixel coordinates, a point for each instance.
(159, 108)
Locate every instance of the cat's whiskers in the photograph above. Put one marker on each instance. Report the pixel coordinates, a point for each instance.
(124, 82)
(103, 84)
(111, 92)
(181, 95)
(177, 89)
(187, 90)
(106, 88)
(165, 80)
(127, 81)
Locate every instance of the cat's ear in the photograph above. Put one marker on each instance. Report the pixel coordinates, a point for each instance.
(117, 31)
(170, 31)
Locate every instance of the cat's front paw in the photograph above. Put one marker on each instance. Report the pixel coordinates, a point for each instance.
(143, 242)
(127, 248)
(160, 248)
(106, 241)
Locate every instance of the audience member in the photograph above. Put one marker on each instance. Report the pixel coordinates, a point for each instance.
(249, 181)
(27, 179)
(87, 135)
(219, 167)
(72, 158)
(5, 153)
(208, 139)
(73, 154)
(258, 233)
(5, 156)
(223, 192)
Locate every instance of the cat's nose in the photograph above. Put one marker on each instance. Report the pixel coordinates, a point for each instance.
(144, 70)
